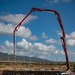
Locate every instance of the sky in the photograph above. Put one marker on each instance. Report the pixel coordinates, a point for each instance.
(39, 35)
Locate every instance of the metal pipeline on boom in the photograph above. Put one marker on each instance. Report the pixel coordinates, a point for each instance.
(60, 24)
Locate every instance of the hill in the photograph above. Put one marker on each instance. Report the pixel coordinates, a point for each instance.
(6, 57)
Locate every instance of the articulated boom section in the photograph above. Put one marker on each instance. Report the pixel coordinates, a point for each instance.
(61, 26)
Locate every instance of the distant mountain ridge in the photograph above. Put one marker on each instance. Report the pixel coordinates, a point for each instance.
(6, 57)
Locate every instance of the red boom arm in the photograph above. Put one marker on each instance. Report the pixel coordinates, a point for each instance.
(61, 26)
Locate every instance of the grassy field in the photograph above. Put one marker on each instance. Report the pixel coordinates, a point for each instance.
(34, 66)
(31, 66)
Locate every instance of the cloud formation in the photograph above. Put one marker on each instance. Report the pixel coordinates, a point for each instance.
(26, 48)
(14, 19)
(6, 29)
(51, 41)
(70, 38)
(33, 38)
(71, 42)
(71, 35)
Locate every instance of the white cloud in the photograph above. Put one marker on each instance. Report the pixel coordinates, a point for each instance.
(24, 44)
(40, 50)
(28, 49)
(40, 46)
(6, 49)
(23, 32)
(68, 36)
(33, 38)
(70, 39)
(61, 52)
(51, 41)
(56, 52)
(16, 18)
(12, 20)
(71, 42)
(8, 29)
(71, 35)
(8, 44)
(44, 35)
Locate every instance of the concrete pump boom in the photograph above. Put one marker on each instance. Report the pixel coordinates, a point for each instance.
(61, 26)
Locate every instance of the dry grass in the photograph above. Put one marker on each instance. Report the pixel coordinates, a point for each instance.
(35, 67)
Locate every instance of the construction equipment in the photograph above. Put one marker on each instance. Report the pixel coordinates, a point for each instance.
(60, 24)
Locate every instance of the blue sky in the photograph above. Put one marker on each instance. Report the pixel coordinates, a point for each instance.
(39, 35)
